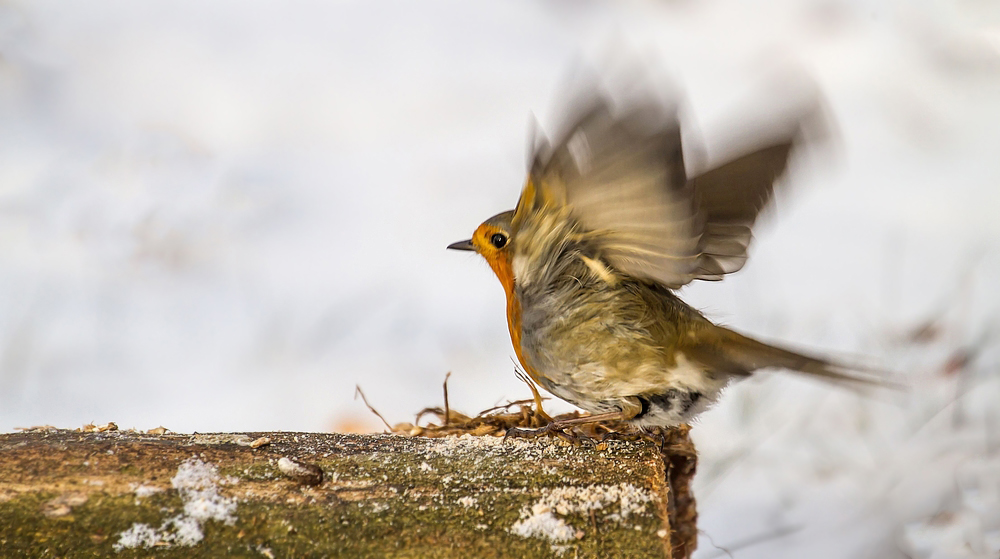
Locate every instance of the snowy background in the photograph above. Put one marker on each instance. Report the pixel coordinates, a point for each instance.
(224, 215)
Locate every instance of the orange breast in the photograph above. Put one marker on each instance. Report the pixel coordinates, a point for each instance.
(514, 325)
(505, 273)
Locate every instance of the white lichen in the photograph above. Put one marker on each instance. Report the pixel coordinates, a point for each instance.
(143, 491)
(185, 530)
(138, 535)
(541, 523)
(544, 518)
(468, 502)
(197, 483)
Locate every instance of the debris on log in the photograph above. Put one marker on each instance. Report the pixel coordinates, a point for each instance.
(111, 493)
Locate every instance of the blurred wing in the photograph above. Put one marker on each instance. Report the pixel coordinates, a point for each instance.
(622, 177)
(730, 197)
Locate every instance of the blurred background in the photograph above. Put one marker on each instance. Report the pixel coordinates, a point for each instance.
(222, 216)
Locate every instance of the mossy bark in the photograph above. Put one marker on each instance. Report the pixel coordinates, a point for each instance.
(126, 494)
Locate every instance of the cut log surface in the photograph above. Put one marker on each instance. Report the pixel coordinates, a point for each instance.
(300, 495)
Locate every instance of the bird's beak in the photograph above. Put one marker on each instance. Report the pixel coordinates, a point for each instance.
(462, 245)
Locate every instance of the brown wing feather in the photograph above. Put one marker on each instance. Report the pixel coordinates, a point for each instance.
(622, 176)
(730, 197)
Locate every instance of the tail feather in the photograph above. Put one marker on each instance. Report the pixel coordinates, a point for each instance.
(739, 354)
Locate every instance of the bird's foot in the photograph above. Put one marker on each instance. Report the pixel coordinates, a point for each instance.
(557, 428)
(564, 428)
(619, 436)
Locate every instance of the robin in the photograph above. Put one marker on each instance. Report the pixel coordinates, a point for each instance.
(607, 226)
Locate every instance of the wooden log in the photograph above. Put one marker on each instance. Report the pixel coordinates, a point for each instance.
(278, 495)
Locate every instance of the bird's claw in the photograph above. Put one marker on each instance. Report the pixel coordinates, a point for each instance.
(619, 436)
(554, 428)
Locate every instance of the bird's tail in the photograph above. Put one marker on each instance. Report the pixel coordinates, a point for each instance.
(743, 355)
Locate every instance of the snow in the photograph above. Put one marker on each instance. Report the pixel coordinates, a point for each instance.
(197, 482)
(467, 501)
(540, 522)
(142, 491)
(138, 535)
(222, 218)
(545, 517)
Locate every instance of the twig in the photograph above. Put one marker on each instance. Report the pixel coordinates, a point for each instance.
(507, 406)
(447, 410)
(712, 543)
(358, 392)
(754, 540)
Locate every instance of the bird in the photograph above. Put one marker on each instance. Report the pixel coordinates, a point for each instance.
(609, 224)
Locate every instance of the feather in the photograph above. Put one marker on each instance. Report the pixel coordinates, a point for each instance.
(621, 176)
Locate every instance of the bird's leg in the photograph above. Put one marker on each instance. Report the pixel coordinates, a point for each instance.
(535, 395)
(557, 427)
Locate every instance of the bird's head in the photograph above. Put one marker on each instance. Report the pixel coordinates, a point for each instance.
(492, 241)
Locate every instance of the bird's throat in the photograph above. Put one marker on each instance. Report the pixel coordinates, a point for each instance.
(501, 266)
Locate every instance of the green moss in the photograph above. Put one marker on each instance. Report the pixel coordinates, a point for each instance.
(89, 531)
(257, 471)
(344, 529)
(397, 498)
(131, 470)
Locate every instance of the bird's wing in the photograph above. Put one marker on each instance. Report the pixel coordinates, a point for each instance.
(730, 197)
(622, 176)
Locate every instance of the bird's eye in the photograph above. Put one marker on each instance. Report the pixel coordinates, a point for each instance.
(498, 240)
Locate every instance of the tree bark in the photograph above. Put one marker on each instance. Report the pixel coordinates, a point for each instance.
(281, 495)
